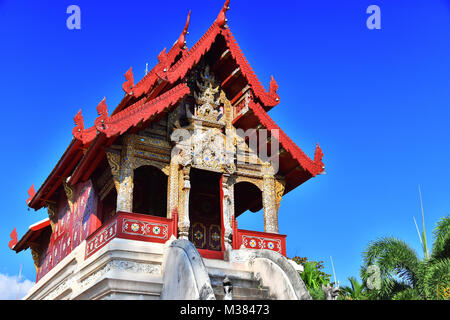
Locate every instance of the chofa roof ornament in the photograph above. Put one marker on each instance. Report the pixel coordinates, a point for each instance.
(79, 125)
(181, 42)
(31, 193)
(273, 87)
(221, 18)
(102, 110)
(129, 83)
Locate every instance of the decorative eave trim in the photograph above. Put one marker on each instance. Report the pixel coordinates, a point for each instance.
(124, 120)
(133, 115)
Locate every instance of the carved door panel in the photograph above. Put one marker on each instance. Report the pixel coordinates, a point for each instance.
(205, 230)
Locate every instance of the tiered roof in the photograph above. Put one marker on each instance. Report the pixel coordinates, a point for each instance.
(160, 91)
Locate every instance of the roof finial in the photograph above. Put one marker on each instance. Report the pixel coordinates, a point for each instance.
(318, 156)
(79, 125)
(102, 110)
(13, 240)
(221, 18)
(31, 193)
(273, 87)
(127, 85)
(182, 39)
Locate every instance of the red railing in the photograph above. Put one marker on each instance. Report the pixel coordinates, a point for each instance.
(258, 240)
(133, 226)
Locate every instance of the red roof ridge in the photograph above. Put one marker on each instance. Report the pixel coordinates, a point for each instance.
(129, 117)
(164, 62)
(181, 67)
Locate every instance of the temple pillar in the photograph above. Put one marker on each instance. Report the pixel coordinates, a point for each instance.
(269, 201)
(125, 190)
(184, 222)
(172, 192)
(227, 212)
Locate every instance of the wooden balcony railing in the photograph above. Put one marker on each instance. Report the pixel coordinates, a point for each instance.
(133, 226)
(258, 240)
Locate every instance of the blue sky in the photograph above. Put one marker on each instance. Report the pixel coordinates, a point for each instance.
(377, 101)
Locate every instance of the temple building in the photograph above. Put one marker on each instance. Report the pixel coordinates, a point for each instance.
(143, 204)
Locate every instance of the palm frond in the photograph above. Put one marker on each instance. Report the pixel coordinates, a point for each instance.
(441, 234)
(407, 294)
(394, 258)
(437, 279)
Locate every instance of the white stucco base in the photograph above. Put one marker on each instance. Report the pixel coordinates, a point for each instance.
(130, 269)
(122, 269)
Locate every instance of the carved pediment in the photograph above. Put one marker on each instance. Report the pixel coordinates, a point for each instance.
(208, 105)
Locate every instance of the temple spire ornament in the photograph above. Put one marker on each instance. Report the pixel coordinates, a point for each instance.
(13, 240)
(79, 126)
(102, 110)
(318, 155)
(273, 87)
(128, 85)
(31, 193)
(221, 18)
(181, 42)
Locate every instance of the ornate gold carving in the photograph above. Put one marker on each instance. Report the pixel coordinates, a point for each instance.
(52, 208)
(139, 162)
(36, 254)
(256, 181)
(269, 204)
(149, 141)
(125, 194)
(172, 191)
(114, 163)
(279, 191)
(208, 106)
(228, 109)
(69, 193)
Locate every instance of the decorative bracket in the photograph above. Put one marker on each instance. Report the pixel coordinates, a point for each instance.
(69, 194)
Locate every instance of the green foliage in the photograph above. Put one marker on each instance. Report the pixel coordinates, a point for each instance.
(356, 291)
(441, 245)
(436, 280)
(403, 275)
(317, 293)
(407, 294)
(313, 276)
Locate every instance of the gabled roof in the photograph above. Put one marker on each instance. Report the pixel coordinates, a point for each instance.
(160, 90)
